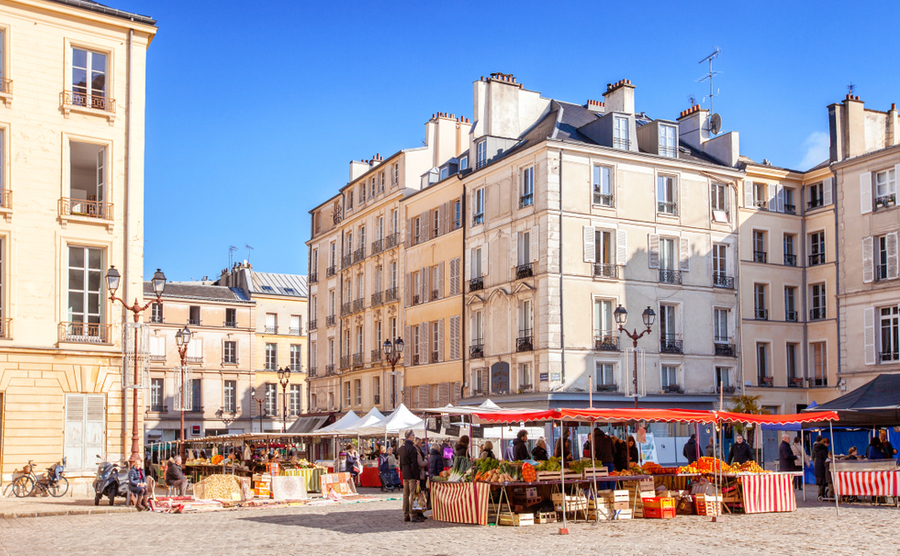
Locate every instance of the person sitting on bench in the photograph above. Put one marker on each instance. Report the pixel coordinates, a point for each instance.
(175, 476)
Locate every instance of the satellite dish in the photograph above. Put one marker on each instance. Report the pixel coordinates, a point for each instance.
(715, 124)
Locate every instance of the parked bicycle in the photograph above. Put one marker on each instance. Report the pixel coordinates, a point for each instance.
(53, 482)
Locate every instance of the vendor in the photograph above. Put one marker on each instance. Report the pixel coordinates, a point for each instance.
(740, 452)
(462, 447)
(564, 446)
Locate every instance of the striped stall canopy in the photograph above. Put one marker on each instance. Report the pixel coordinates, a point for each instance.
(786, 419)
(768, 492)
(639, 414)
(867, 483)
(460, 502)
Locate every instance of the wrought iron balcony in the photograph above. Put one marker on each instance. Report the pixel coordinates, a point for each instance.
(621, 143)
(760, 256)
(84, 333)
(671, 345)
(271, 330)
(86, 208)
(357, 360)
(376, 355)
(881, 272)
(478, 219)
(435, 357)
(330, 271)
(197, 360)
(346, 309)
(669, 276)
(761, 314)
(345, 362)
(376, 299)
(435, 295)
(606, 340)
(313, 277)
(415, 299)
(525, 341)
(415, 359)
(766, 382)
(376, 246)
(359, 255)
(313, 372)
(605, 270)
(69, 99)
(336, 217)
(476, 284)
(346, 261)
(607, 387)
(358, 305)
(817, 258)
(795, 382)
(476, 350)
(329, 370)
(724, 348)
(817, 313)
(390, 294)
(790, 259)
(673, 389)
(525, 270)
(722, 281)
(391, 240)
(791, 316)
(814, 203)
(294, 331)
(330, 320)
(790, 209)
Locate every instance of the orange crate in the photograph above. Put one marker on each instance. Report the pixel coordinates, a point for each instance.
(657, 503)
(659, 513)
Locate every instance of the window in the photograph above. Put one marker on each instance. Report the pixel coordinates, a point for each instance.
(790, 303)
(417, 230)
(816, 248)
(478, 327)
(229, 352)
(526, 377)
(816, 195)
(435, 342)
(156, 313)
(359, 339)
(445, 172)
(817, 302)
(478, 381)
(393, 323)
(476, 263)
(157, 394)
(668, 141)
(357, 388)
(602, 186)
(229, 396)
(435, 223)
(759, 302)
(349, 202)
(296, 357)
(194, 315)
(723, 379)
(87, 181)
(525, 318)
(720, 326)
(417, 355)
(271, 403)
(665, 195)
(787, 194)
(457, 215)
(463, 163)
(296, 327)
(791, 365)
(196, 395)
(605, 376)
(668, 330)
(378, 337)
(762, 364)
(760, 195)
(85, 283)
(89, 79)
(347, 393)
(885, 186)
(819, 364)
(523, 248)
(620, 133)
(381, 184)
(790, 255)
(271, 323)
(480, 154)
(668, 253)
(85, 430)
(527, 197)
(395, 174)
(393, 276)
(479, 206)
(231, 318)
(760, 247)
(376, 390)
(890, 334)
(669, 377)
(362, 191)
(719, 202)
(720, 265)
(295, 396)
(271, 357)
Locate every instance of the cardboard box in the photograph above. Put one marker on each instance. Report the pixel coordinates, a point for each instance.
(531, 492)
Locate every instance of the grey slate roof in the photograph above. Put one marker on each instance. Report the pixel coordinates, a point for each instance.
(269, 283)
(100, 8)
(201, 291)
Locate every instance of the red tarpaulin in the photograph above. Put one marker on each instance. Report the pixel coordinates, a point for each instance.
(811, 417)
(517, 416)
(640, 414)
(615, 415)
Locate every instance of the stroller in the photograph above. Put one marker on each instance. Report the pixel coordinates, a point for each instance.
(390, 480)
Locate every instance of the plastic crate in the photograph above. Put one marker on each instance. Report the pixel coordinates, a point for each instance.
(659, 503)
(659, 513)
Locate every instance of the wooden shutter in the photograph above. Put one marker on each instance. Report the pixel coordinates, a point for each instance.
(454, 276)
(865, 192)
(409, 233)
(773, 197)
(621, 247)
(590, 253)
(408, 349)
(457, 391)
(654, 250)
(485, 260)
(448, 207)
(440, 280)
(425, 226)
(892, 259)
(423, 392)
(94, 429)
(869, 335)
(424, 343)
(685, 254)
(441, 340)
(536, 243)
(454, 338)
(407, 396)
(826, 191)
(748, 193)
(407, 290)
(444, 394)
(779, 197)
(868, 259)
(515, 246)
(469, 261)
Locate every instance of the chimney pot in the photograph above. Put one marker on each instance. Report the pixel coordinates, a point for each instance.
(893, 106)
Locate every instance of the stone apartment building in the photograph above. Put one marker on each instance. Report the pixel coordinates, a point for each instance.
(72, 82)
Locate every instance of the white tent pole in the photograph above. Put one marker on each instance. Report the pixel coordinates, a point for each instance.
(802, 464)
(591, 393)
(594, 472)
(837, 510)
(562, 470)
(715, 469)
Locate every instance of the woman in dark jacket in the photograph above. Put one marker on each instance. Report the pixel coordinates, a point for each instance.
(540, 451)
(874, 450)
(620, 454)
(633, 455)
(567, 449)
(137, 484)
(462, 447)
(819, 455)
(487, 450)
(435, 460)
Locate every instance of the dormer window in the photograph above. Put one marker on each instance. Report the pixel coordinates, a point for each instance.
(463, 163)
(668, 141)
(481, 154)
(445, 171)
(621, 139)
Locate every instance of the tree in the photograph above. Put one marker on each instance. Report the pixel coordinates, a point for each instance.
(746, 404)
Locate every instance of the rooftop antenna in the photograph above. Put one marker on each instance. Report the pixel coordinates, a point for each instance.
(231, 251)
(248, 251)
(850, 88)
(712, 94)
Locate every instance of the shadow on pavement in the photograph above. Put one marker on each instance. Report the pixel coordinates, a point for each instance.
(352, 522)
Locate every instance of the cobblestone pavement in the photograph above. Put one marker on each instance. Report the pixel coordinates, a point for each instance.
(376, 528)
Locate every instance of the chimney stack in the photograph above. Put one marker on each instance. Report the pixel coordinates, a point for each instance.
(619, 96)
(595, 106)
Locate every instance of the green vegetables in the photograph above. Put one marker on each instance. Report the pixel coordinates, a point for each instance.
(484, 465)
(551, 464)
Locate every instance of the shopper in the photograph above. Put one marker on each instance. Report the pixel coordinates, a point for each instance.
(487, 450)
(740, 452)
(886, 448)
(137, 484)
(620, 454)
(690, 449)
(353, 463)
(423, 474)
(435, 461)
(633, 454)
(819, 455)
(710, 449)
(874, 451)
(603, 450)
(851, 454)
(801, 460)
(540, 450)
(786, 458)
(409, 468)
(462, 447)
(520, 448)
(564, 446)
(175, 476)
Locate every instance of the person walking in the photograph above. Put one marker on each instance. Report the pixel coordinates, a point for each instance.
(175, 476)
(520, 448)
(740, 451)
(819, 455)
(801, 460)
(409, 468)
(786, 458)
(690, 449)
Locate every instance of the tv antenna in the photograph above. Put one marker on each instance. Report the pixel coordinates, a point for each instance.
(231, 251)
(248, 251)
(709, 76)
(850, 88)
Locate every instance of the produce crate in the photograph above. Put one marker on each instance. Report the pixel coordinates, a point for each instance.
(706, 505)
(614, 495)
(659, 513)
(573, 503)
(623, 514)
(545, 517)
(547, 475)
(657, 503)
(591, 472)
(516, 520)
(604, 512)
(647, 485)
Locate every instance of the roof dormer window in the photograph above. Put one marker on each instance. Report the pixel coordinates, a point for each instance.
(621, 139)
(668, 141)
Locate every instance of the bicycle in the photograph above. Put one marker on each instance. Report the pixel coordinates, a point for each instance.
(53, 482)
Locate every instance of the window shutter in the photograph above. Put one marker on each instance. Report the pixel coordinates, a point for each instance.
(440, 280)
(869, 324)
(748, 193)
(469, 262)
(457, 391)
(74, 449)
(469, 213)
(515, 250)
(868, 260)
(454, 276)
(893, 271)
(654, 250)
(425, 225)
(407, 333)
(779, 197)
(621, 247)
(536, 243)
(424, 343)
(447, 207)
(454, 338)
(426, 284)
(590, 254)
(407, 396)
(407, 290)
(773, 197)
(685, 255)
(441, 340)
(409, 233)
(826, 191)
(444, 394)
(865, 192)
(485, 260)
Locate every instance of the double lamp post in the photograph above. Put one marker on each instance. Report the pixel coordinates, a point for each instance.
(393, 351)
(649, 317)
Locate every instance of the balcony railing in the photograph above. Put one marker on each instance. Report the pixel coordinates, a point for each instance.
(69, 99)
(525, 341)
(86, 208)
(795, 382)
(435, 295)
(376, 299)
(478, 219)
(881, 272)
(722, 281)
(358, 305)
(817, 258)
(313, 372)
(673, 389)
(390, 294)
(346, 309)
(313, 277)
(376, 246)
(761, 314)
(416, 299)
(606, 340)
(156, 358)
(345, 362)
(330, 320)
(416, 360)
(476, 350)
(666, 207)
(526, 200)
(330, 271)
(724, 348)
(765, 382)
(817, 382)
(391, 240)
(761, 205)
(435, 357)
(194, 360)
(817, 313)
(476, 284)
(357, 360)
(726, 389)
(359, 255)
(760, 256)
(84, 333)
(603, 199)
(671, 345)
(790, 259)
(329, 370)
(814, 203)
(346, 261)
(666, 150)
(669, 276)
(294, 331)
(524, 270)
(376, 355)
(605, 270)
(271, 330)
(607, 387)
(884, 356)
(621, 143)
(791, 316)
(790, 209)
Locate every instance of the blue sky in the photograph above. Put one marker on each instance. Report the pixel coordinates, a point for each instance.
(254, 109)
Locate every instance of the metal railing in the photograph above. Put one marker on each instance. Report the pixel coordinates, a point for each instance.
(359, 255)
(478, 219)
(791, 316)
(666, 207)
(889, 355)
(606, 340)
(435, 295)
(345, 362)
(336, 217)
(723, 281)
(196, 360)
(671, 345)
(476, 350)
(330, 271)
(435, 357)
(415, 359)
(390, 294)
(329, 370)
(817, 258)
(525, 341)
(313, 372)
(795, 382)
(376, 246)
(725, 349)
(330, 320)
(525, 270)
(84, 333)
(669, 276)
(603, 199)
(156, 358)
(607, 387)
(415, 299)
(294, 331)
(313, 277)
(726, 389)
(86, 208)
(391, 240)
(358, 305)
(357, 360)
(790, 259)
(817, 313)
(346, 261)
(85, 100)
(673, 389)
(526, 200)
(761, 205)
(376, 355)
(665, 150)
(476, 284)
(815, 203)
(376, 299)
(790, 209)
(761, 314)
(766, 382)
(621, 143)
(760, 256)
(346, 309)
(605, 270)
(881, 272)
(271, 330)
(815, 382)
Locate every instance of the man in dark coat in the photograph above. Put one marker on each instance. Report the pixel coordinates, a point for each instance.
(886, 448)
(690, 449)
(786, 458)
(740, 452)
(520, 449)
(819, 455)
(409, 468)
(603, 450)
(175, 476)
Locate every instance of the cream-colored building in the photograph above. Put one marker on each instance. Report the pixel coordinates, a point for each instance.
(219, 358)
(72, 82)
(280, 343)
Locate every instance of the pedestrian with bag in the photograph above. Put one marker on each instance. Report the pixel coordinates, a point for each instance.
(409, 468)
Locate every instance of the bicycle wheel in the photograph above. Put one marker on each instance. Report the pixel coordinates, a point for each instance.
(59, 488)
(23, 486)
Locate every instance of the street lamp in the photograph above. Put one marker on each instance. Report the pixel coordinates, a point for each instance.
(182, 339)
(393, 351)
(259, 398)
(284, 378)
(649, 317)
(159, 284)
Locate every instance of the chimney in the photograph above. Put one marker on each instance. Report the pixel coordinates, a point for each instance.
(619, 96)
(358, 168)
(692, 126)
(595, 106)
(893, 133)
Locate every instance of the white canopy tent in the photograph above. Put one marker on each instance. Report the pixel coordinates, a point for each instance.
(370, 419)
(399, 420)
(344, 422)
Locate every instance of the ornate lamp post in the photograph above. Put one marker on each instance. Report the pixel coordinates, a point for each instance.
(649, 317)
(393, 351)
(182, 339)
(284, 378)
(159, 284)
(260, 399)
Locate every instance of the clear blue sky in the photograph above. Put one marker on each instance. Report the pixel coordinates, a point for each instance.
(254, 109)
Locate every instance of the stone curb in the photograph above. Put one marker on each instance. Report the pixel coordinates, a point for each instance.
(53, 513)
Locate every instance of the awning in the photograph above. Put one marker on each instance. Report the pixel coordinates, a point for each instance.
(637, 414)
(516, 416)
(790, 418)
(305, 425)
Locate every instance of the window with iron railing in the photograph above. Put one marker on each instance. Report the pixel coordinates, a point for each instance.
(476, 349)
(669, 276)
(525, 341)
(606, 340)
(671, 344)
(723, 281)
(525, 270)
(605, 270)
(476, 284)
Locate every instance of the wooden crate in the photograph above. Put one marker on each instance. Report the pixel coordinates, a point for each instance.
(706, 505)
(623, 514)
(591, 472)
(573, 503)
(548, 475)
(516, 520)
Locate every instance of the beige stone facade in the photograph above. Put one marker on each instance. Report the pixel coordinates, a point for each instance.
(71, 205)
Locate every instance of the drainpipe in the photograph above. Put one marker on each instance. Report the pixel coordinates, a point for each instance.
(462, 274)
(128, 205)
(562, 321)
(837, 278)
(803, 300)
